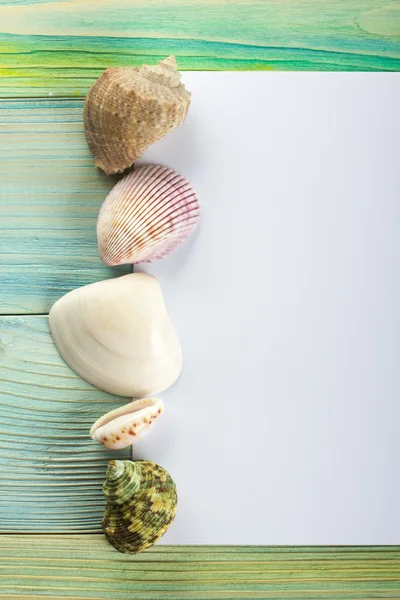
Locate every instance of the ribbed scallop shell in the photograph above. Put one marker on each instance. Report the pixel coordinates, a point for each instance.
(141, 504)
(128, 109)
(148, 214)
(124, 426)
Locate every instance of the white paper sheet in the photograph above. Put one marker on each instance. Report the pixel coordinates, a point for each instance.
(284, 426)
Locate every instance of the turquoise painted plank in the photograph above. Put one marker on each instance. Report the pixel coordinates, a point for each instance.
(60, 47)
(73, 566)
(50, 194)
(51, 471)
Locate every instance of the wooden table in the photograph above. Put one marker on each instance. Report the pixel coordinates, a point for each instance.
(51, 473)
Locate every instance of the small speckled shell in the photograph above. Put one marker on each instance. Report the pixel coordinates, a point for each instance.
(126, 425)
(148, 214)
(128, 109)
(141, 504)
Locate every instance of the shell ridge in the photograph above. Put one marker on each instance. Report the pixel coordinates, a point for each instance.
(132, 189)
(156, 210)
(142, 239)
(163, 215)
(187, 194)
(166, 227)
(142, 197)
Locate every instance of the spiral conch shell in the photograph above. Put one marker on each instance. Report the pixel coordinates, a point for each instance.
(122, 427)
(148, 214)
(128, 109)
(117, 335)
(141, 504)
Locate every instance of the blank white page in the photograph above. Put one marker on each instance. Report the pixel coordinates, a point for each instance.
(284, 426)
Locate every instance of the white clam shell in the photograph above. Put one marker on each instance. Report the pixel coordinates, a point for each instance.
(117, 335)
(148, 214)
(124, 426)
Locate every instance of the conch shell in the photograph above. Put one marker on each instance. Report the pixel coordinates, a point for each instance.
(122, 427)
(148, 214)
(141, 504)
(128, 109)
(117, 335)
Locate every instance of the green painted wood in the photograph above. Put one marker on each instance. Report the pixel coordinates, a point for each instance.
(51, 472)
(72, 566)
(50, 194)
(60, 47)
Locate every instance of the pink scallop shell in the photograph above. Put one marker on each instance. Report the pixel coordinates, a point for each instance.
(147, 215)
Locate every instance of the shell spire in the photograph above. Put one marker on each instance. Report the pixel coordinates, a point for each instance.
(170, 61)
(122, 481)
(166, 72)
(128, 109)
(141, 504)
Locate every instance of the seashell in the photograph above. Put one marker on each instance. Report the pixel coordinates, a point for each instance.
(141, 504)
(148, 214)
(117, 335)
(124, 426)
(128, 109)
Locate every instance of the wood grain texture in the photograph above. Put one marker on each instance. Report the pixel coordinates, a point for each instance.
(51, 471)
(87, 567)
(58, 47)
(50, 195)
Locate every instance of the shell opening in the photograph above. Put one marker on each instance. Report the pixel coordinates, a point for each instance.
(131, 408)
(122, 427)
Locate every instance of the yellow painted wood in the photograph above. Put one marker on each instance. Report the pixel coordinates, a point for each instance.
(51, 472)
(50, 194)
(87, 566)
(58, 47)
